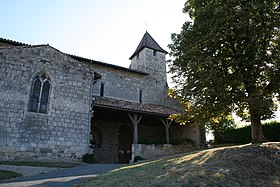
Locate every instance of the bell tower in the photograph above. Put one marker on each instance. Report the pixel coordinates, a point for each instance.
(149, 57)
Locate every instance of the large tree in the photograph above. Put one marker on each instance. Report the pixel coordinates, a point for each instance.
(227, 59)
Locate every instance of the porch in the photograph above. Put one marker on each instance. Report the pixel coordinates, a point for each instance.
(118, 124)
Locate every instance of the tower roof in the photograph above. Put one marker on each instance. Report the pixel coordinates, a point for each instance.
(149, 42)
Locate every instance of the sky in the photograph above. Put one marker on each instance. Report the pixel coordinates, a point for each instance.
(108, 31)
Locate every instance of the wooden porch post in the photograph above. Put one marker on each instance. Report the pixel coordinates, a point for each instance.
(167, 124)
(135, 119)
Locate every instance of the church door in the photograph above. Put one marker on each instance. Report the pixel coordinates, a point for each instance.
(125, 141)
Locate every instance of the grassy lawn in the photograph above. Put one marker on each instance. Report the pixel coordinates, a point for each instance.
(243, 165)
(8, 175)
(41, 164)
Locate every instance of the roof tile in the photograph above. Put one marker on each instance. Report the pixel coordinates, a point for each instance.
(133, 106)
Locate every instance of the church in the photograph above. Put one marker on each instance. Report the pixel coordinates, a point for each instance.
(58, 107)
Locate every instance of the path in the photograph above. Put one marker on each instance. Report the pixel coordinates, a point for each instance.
(62, 177)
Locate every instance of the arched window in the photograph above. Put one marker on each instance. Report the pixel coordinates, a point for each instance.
(39, 95)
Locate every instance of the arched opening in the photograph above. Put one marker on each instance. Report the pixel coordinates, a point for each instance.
(39, 95)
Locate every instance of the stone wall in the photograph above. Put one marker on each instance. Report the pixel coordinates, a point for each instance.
(126, 85)
(108, 150)
(62, 134)
(151, 132)
(191, 132)
(119, 84)
(150, 152)
(155, 65)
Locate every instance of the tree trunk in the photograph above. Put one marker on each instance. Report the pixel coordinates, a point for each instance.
(255, 114)
(256, 129)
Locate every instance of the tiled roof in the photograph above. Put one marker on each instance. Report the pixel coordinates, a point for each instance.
(133, 106)
(13, 42)
(106, 64)
(149, 42)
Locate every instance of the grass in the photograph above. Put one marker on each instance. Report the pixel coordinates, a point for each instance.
(8, 174)
(41, 164)
(243, 165)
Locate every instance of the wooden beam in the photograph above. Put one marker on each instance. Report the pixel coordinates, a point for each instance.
(167, 124)
(135, 119)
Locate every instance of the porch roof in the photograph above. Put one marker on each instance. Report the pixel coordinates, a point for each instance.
(130, 106)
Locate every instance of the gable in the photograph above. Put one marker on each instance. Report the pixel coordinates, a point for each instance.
(41, 54)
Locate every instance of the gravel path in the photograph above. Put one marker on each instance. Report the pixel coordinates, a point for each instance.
(55, 177)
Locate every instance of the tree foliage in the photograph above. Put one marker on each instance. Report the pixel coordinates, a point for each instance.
(227, 59)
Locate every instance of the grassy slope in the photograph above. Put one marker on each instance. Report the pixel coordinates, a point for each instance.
(245, 165)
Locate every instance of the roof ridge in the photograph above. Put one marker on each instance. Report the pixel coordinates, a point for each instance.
(106, 64)
(13, 42)
(133, 106)
(79, 58)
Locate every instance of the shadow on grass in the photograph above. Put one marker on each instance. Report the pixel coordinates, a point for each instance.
(244, 165)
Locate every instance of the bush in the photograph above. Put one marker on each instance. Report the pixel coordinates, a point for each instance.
(271, 132)
(240, 135)
(88, 158)
(136, 158)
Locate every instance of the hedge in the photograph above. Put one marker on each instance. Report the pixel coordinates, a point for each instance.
(271, 132)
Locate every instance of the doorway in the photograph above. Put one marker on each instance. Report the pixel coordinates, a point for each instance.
(125, 140)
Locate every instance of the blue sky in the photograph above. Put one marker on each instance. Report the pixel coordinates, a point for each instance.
(107, 30)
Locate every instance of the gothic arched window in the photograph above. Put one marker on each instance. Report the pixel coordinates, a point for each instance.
(39, 95)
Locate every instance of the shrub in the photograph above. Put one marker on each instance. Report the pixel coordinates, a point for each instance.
(240, 135)
(88, 158)
(136, 158)
(271, 131)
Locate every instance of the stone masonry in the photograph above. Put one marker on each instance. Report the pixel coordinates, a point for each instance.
(62, 134)
(126, 85)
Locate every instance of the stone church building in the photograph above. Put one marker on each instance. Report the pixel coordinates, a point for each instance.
(58, 107)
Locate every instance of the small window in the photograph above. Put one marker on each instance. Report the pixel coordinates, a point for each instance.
(154, 52)
(137, 56)
(102, 89)
(39, 95)
(140, 96)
